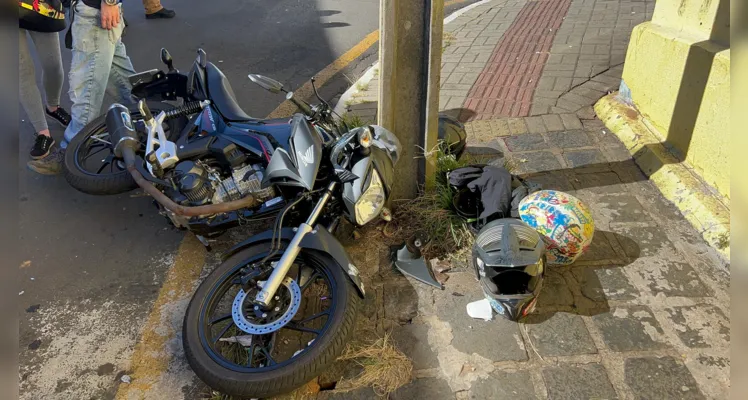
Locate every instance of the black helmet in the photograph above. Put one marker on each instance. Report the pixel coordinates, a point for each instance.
(452, 135)
(509, 261)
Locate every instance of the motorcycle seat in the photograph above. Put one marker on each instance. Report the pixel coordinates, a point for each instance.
(223, 96)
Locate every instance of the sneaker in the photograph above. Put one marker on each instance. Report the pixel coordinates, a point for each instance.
(162, 13)
(59, 115)
(42, 144)
(49, 165)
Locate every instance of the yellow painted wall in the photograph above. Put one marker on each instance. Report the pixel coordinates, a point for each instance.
(710, 149)
(694, 16)
(678, 72)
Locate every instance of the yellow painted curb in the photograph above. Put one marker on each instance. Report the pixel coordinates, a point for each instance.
(677, 182)
(150, 360)
(306, 91)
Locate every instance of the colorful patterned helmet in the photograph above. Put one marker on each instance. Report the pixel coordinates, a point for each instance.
(564, 223)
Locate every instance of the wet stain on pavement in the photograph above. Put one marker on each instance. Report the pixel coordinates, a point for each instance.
(105, 369)
(62, 385)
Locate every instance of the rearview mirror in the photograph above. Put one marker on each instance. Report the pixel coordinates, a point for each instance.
(269, 84)
(166, 59)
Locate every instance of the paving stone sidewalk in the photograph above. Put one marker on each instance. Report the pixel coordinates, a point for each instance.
(643, 315)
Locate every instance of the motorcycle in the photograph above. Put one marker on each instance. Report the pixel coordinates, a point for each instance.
(205, 162)
(282, 305)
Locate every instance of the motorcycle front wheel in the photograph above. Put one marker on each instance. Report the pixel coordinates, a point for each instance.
(258, 364)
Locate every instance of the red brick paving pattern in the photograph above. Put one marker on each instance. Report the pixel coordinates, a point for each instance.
(506, 85)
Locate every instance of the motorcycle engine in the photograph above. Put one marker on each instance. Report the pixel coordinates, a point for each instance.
(243, 181)
(202, 185)
(193, 182)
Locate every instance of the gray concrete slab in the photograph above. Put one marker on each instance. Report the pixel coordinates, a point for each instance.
(660, 378)
(584, 381)
(630, 329)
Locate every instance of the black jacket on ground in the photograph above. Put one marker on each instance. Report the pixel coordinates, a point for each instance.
(495, 188)
(499, 192)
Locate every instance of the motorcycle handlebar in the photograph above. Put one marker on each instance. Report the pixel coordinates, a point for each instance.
(300, 104)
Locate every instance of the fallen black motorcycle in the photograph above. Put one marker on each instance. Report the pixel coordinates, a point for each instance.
(282, 305)
(204, 161)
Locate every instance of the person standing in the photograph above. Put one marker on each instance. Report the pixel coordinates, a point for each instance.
(39, 22)
(154, 10)
(99, 64)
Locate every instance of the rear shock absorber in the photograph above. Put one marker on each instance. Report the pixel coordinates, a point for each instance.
(186, 109)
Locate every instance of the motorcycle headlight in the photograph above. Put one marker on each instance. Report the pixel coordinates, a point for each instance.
(371, 202)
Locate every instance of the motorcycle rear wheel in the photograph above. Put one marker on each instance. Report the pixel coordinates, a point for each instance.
(93, 136)
(269, 380)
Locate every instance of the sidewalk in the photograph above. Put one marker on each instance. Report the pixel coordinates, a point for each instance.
(645, 314)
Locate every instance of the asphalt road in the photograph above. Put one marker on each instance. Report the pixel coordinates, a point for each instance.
(93, 266)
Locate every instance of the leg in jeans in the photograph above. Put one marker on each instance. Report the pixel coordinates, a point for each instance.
(119, 85)
(95, 52)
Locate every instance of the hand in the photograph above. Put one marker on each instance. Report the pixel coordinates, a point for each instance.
(109, 16)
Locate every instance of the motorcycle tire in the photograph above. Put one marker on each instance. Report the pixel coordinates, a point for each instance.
(326, 349)
(117, 182)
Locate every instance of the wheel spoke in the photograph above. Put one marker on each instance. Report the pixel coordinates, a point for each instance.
(269, 359)
(295, 327)
(101, 147)
(98, 139)
(251, 354)
(312, 317)
(223, 332)
(103, 166)
(311, 279)
(219, 319)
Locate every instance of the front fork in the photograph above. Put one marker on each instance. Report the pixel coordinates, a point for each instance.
(265, 296)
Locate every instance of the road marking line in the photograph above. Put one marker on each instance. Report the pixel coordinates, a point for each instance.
(287, 108)
(150, 359)
(304, 92)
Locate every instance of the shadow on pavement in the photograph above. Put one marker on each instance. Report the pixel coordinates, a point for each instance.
(461, 114)
(335, 24)
(585, 289)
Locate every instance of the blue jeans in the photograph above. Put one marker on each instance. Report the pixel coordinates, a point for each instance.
(100, 65)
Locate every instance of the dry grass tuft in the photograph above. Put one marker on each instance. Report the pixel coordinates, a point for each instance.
(385, 368)
(448, 38)
(425, 216)
(431, 214)
(351, 120)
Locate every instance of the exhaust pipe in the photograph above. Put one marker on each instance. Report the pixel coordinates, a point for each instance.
(119, 124)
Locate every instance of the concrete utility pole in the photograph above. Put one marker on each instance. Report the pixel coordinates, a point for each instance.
(410, 52)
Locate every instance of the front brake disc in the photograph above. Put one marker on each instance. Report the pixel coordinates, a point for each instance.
(253, 327)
